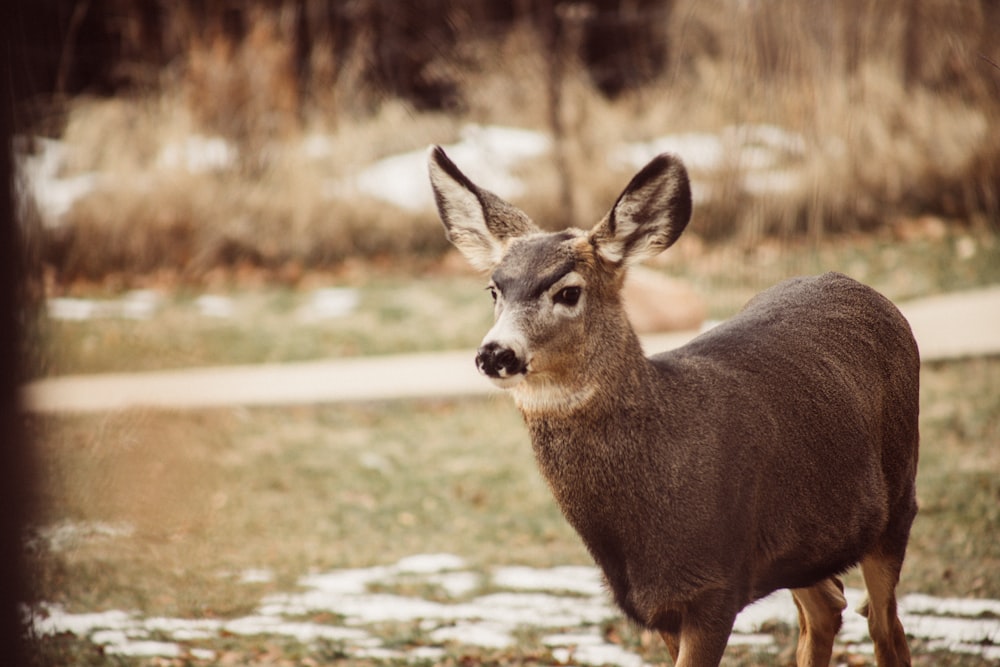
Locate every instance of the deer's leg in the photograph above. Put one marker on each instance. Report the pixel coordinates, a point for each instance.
(673, 642)
(881, 574)
(820, 608)
(702, 646)
(705, 630)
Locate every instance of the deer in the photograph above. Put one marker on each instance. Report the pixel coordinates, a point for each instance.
(776, 450)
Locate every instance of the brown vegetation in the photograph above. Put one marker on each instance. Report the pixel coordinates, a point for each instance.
(897, 103)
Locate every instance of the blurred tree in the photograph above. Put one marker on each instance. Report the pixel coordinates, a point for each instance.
(416, 50)
(625, 43)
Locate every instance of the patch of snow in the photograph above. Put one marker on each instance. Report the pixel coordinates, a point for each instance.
(213, 305)
(135, 305)
(567, 578)
(329, 303)
(472, 633)
(488, 154)
(429, 563)
(69, 534)
(540, 610)
(345, 582)
(198, 154)
(758, 150)
(304, 632)
(770, 136)
(700, 151)
(776, 182)
(256, 576)
(753, 639)
(990, 652)
(316, 146)
(958, 630)
(374, 461)
(140, 304)
(39, 176)
(183, 628)
(573, 639)
(105, 637)
(145, 648)
(53, 619)
(916, 603)
(491, 621)
(76, 310)
(455, 584)
(202, 654)
(375, 607)
(422, 653)
(777, 606)
(377, 653)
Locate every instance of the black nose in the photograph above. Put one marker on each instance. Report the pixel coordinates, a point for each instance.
(498, 361)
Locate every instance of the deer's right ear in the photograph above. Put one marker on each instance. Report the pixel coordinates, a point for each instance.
(476, 221)
(649, 215)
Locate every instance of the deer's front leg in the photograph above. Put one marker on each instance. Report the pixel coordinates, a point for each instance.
(704, 632)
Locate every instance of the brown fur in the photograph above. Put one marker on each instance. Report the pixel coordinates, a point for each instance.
(775, 451)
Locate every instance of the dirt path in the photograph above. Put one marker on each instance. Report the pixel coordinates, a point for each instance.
(950, 326)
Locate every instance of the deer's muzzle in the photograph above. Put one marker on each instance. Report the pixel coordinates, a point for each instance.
(499, 361)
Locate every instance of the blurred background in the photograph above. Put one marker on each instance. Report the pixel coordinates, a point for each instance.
(186, 137)
(203, 184)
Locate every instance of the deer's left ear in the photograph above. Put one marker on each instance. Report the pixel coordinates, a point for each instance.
(476, 221)
(650, 213)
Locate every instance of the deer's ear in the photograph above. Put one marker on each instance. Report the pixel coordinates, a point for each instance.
(650, 213)
(476, 221)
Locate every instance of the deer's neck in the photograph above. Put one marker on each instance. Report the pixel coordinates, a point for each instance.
(617, 371)
(580, 440)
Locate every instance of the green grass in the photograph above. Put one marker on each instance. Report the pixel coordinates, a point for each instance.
(954, 545)
(291, 490)
(394, 314)
(213, 493)
(307, 489)
(401, 312)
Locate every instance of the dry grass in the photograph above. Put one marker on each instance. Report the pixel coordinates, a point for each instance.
(888, 131)
(212, 494)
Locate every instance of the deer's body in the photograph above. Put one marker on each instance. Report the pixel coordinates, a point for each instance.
(714, 447)
(775, 451)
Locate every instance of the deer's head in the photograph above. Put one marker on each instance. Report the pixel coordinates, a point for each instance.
(556, 295)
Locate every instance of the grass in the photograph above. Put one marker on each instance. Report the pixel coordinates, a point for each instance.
(211, 494)
(394, 314)
(297, 490)
(435, 309)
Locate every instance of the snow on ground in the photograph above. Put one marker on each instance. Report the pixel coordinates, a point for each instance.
(42, 165)
(67, 535)
(134, 305)
(198, 154)
(321, 304)
(768, 157)
(568, 603)
(40, 176)
(487, 154)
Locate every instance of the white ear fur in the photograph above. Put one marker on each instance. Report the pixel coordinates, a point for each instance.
(463, 216)
(476, 221)
(650, 214)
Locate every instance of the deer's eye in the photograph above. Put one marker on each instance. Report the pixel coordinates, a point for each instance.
(568, 296)
(493, 292)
